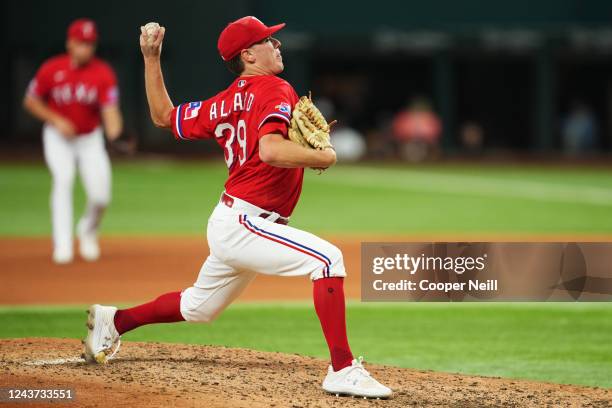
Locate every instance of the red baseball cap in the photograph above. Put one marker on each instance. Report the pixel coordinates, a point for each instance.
(243, 33)
(83, 29)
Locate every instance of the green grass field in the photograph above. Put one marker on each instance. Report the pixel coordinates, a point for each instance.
(173, 197)
(568, 343)
(565, 343)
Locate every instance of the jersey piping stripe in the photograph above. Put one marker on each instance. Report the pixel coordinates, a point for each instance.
(287, 242)
(278, 115)
(179, 113)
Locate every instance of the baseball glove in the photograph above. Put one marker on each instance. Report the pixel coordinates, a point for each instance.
(308, 126)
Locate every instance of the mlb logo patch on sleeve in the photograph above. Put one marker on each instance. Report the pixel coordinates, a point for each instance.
(192, 110)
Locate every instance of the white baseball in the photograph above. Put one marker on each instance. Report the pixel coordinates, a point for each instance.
(151, 30)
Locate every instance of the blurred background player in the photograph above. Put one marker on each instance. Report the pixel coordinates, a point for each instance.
(72, 94)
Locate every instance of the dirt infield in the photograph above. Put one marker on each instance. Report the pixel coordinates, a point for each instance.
(136, 269)
(164, 375)
(133, 270)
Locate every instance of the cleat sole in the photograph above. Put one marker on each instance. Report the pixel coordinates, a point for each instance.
(341, 394)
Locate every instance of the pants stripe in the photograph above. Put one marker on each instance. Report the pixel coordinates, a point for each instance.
(287, 242)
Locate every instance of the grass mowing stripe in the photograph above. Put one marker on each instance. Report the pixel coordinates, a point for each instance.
(566, 343)
(469, 184)
(146, 195)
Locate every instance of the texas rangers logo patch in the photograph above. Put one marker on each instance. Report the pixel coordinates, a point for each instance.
(284, 107)
(192, 110)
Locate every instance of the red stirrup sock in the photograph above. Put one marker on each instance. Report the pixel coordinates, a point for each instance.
(164, 309)
(328, 295)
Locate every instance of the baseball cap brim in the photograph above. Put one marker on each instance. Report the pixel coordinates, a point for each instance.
(84, 40)
(271, 30)
(276, 28)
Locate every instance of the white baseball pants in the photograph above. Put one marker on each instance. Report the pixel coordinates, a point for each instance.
(63, 156)
(243, 244)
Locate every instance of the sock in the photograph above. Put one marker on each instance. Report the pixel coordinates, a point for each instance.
(328, 295)
(164, 309)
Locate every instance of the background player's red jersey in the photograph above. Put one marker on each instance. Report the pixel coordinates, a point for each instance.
(233, 117)
(77, 93)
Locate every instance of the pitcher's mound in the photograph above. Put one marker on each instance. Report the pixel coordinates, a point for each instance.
(177, 375)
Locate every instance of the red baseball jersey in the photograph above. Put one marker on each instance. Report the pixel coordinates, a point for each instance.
(77, 93)
(234, 117)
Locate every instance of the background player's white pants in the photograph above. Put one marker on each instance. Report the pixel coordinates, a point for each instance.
(63, 156)
(242, 245)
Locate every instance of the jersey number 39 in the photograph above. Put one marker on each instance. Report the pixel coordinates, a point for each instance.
(235, 142)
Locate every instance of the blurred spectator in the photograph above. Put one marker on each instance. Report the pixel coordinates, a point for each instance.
(472, 138)
(417, 129)
(349, 144)
(579, 129)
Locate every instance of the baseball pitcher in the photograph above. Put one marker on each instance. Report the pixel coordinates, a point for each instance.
(72, 93)
(248, 231)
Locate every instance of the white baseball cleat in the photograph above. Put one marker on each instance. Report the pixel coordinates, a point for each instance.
(356, 381)
(88, 244)
(62, 256)
(103, 340)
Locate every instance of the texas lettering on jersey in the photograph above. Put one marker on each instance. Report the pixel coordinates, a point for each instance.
(77, 93)
(66, 94)
(233, 118)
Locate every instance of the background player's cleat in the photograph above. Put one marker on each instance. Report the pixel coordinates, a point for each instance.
(88, 244)
(356, 381)
(103, 341)
(62, 256)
